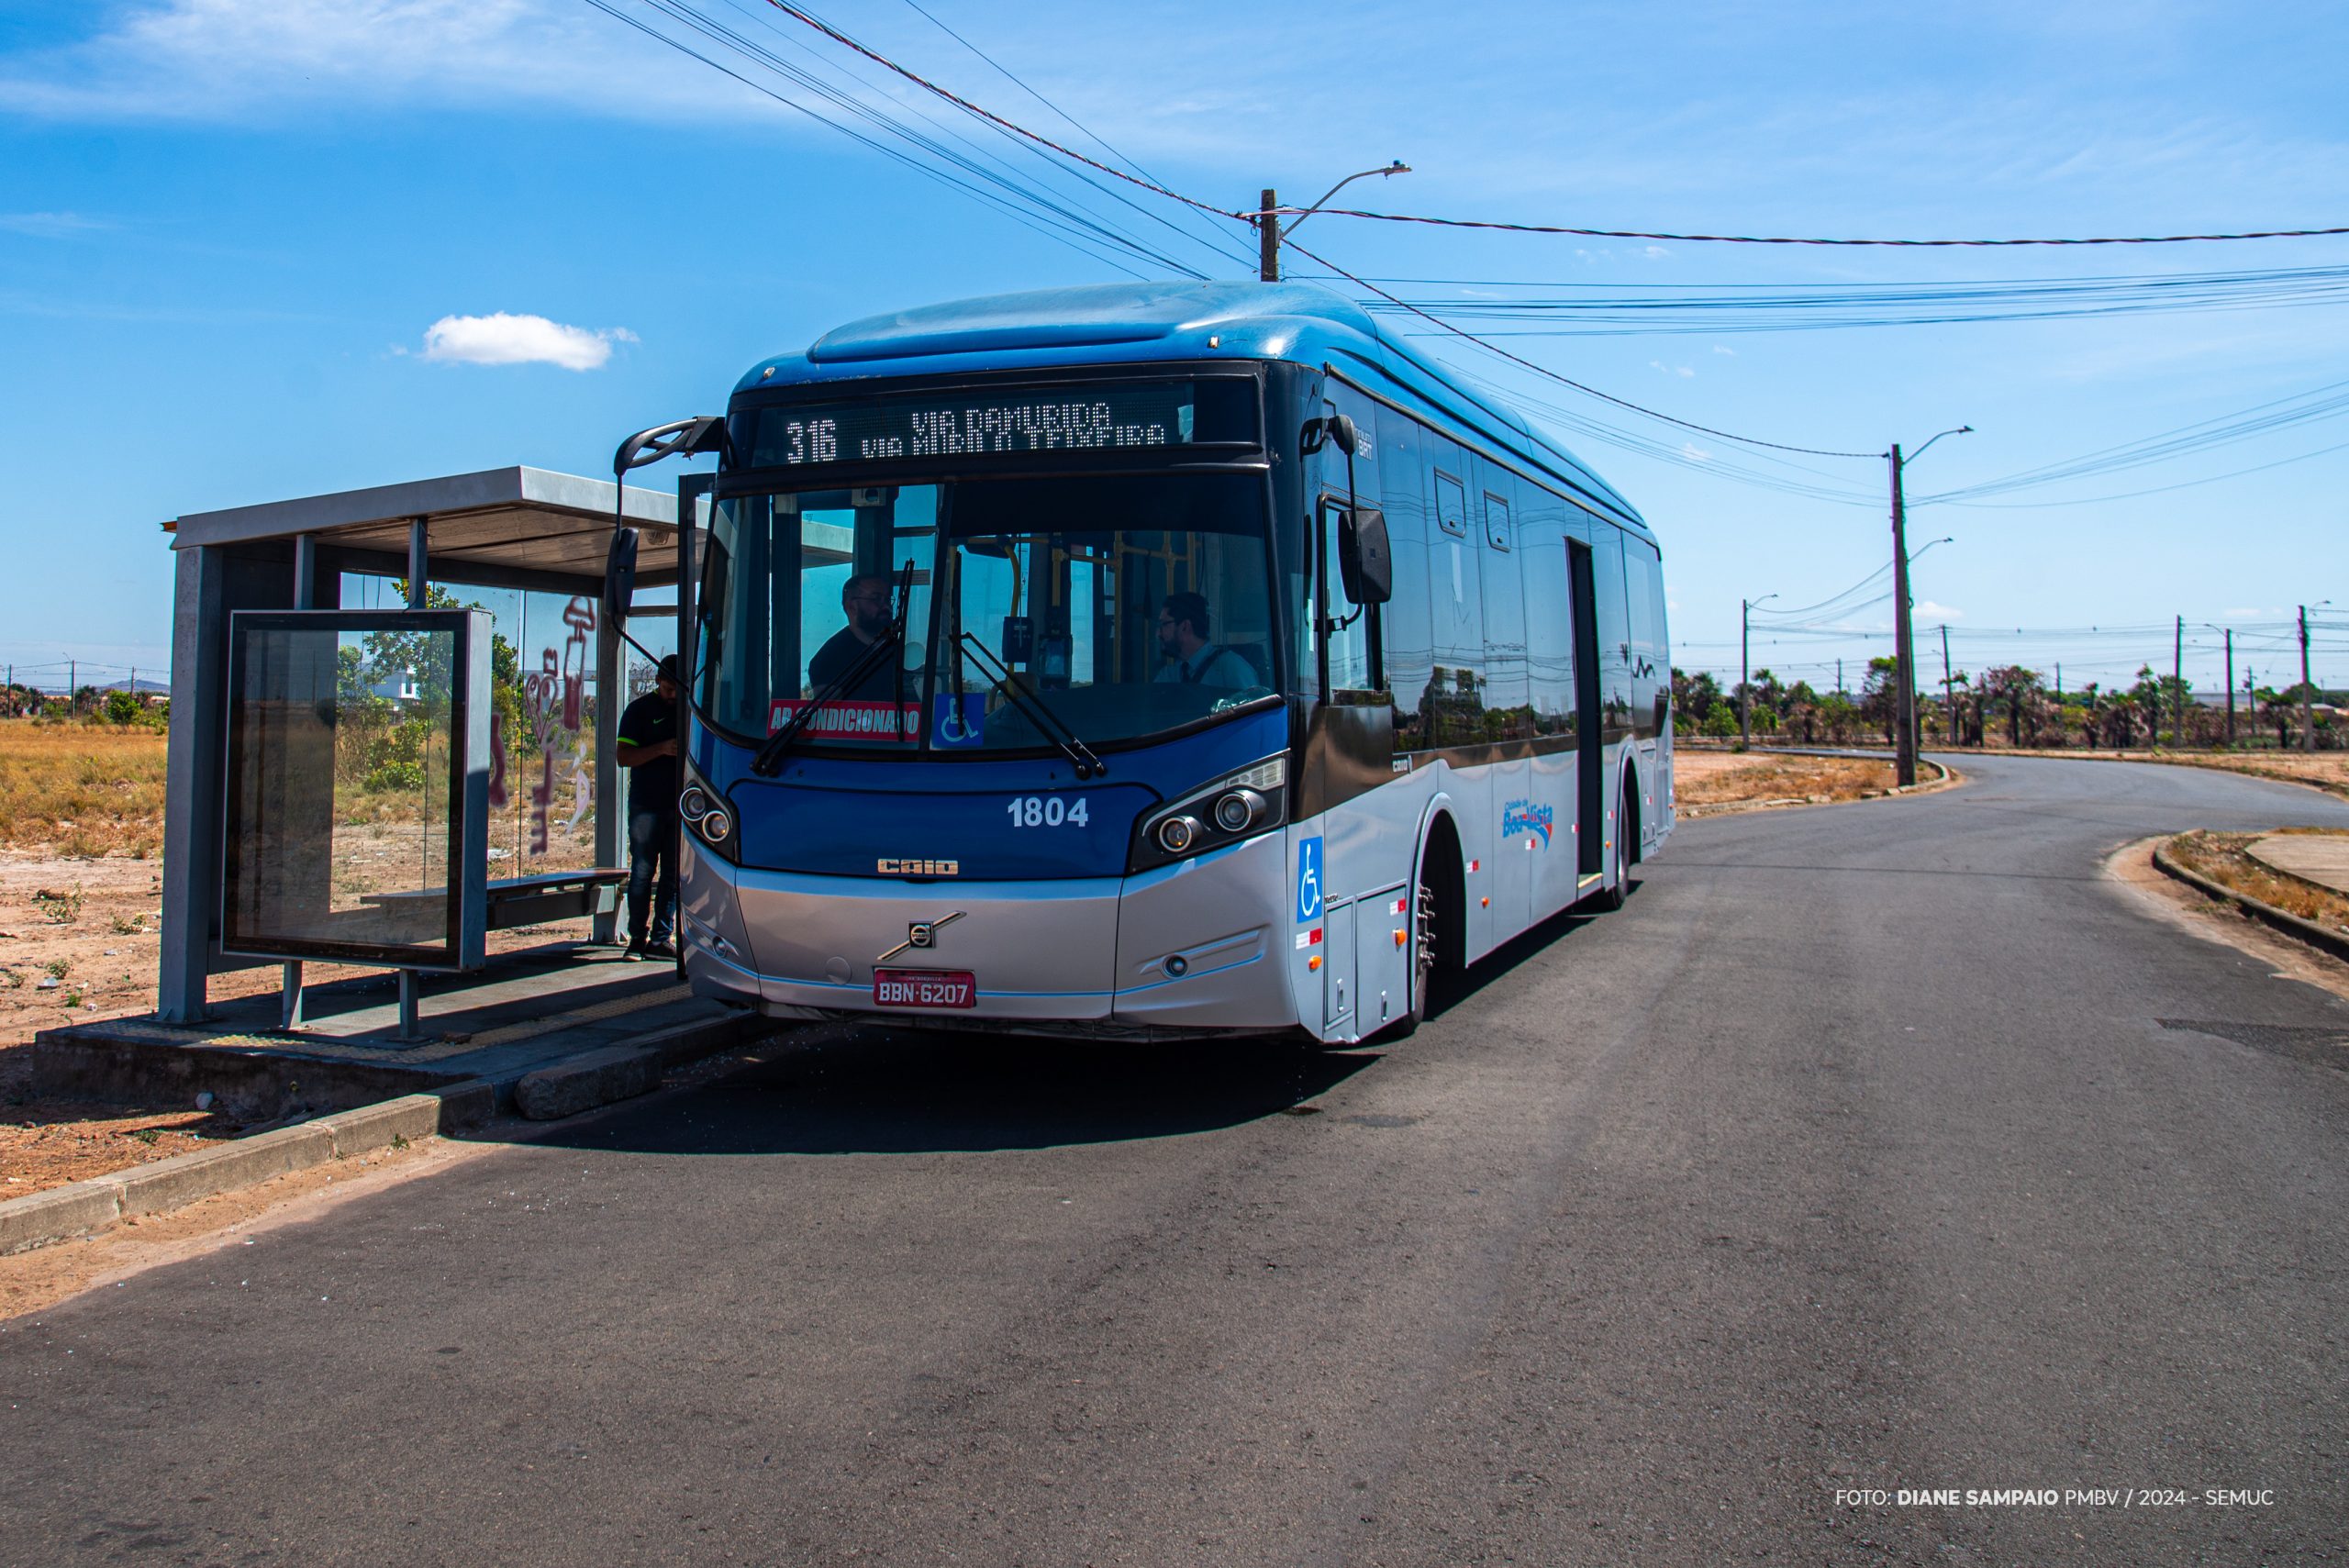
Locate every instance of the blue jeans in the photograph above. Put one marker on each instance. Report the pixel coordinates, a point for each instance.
(651, 836)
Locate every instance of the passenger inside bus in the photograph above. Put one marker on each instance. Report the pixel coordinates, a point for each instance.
(1193, 659)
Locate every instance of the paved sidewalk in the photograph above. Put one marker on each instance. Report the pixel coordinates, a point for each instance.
(2320, 858)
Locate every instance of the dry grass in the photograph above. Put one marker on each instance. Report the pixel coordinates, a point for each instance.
(81, 790)
(2225, 860)
(1704, 781)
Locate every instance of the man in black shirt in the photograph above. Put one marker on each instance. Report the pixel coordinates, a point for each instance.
(647, 749)
(866, 600)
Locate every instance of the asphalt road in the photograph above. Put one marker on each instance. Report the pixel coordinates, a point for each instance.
(1872, 1146)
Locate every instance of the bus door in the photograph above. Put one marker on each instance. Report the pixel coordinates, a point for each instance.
(1590, 808)
(1369, 832)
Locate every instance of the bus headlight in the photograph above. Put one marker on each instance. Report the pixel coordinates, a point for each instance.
(714, 824)
(1237, 806)
(694, 805)
(1237, 812)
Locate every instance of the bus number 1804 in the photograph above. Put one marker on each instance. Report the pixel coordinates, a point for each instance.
(1047, 811)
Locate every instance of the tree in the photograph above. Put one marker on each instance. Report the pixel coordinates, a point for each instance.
(121, 707)
(1695, 694)
(2279, 709)
(1880, 697)
(2016, 687)
(1720, 720)
(1837, 712)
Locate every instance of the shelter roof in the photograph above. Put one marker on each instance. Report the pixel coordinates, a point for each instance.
(506, 520)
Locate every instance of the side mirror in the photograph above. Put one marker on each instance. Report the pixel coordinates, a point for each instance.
(1366, 562)
(620, 577)
(1343, 433)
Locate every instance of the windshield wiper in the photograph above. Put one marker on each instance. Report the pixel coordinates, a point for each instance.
(1048, 723)
(769, 761)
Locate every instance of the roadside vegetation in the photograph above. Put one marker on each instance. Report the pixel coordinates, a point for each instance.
(82, 788)
(2226, 859)
(1707, 783)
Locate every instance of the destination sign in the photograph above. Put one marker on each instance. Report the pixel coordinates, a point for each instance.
(959, 423)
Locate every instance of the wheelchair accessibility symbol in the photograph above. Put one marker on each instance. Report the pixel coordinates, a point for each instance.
(1308, 879)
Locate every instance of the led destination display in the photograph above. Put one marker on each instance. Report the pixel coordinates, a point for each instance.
(959, 422)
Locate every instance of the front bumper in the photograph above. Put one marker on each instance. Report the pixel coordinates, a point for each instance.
(1085, 956)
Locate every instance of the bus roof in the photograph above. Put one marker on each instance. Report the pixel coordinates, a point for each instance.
(1114, 322)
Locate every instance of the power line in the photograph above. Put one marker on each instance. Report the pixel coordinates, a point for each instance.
(1778, 239)
(1568, 380)
(968, 106)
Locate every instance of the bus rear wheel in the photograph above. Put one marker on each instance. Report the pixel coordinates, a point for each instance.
(1627, 827)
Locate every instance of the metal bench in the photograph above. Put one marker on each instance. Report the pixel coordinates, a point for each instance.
(531, 900)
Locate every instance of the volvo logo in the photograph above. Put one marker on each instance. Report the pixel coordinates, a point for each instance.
(920, 934)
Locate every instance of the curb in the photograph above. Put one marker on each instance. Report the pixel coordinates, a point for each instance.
(622, 1071)
(79, 1207)
(2266, 914)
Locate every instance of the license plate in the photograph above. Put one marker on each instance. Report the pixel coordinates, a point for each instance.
(924, 989)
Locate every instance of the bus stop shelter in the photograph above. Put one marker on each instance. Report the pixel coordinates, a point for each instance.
(368, 767)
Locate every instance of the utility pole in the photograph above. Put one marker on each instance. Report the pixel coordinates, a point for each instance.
(1904, 762)
(1948, 691)
(2231, 685)
(73, 685)
(2307, 691)
(2178, 685)
(1838, 677)
(1268, 240)
(1744, 678)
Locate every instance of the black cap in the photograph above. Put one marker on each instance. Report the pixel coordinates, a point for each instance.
(668, 666)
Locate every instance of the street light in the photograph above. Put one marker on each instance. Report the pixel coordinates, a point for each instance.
(2307, 688)
(1270, 230)
(1744, 680)
(1905, 654)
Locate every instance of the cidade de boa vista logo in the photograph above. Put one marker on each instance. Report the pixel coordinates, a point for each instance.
(1526, 816)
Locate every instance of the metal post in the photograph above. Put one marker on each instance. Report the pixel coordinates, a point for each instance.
(1268, 241)
(1905, 704)
(611, 796)
(289, 985)
(1744, 678)
(691, 490)
(2231, 685)
(418, 562)
(2308, 690)
(409, 981)
(1949, 692)
(2177, 687)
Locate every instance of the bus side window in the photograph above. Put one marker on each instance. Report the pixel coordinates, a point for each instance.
(1548, 615)
(1507, 715)
(1614, 629)
(1450, 501)
(1403, 631)
(1452, 703)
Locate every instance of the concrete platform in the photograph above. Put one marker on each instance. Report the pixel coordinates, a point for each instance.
(527, 1012)
(2320, 858)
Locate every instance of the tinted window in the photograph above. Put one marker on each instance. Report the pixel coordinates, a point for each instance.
(1507, 715)
(1404, 630)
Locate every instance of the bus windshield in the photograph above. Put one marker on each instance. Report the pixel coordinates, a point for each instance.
(1120, 605)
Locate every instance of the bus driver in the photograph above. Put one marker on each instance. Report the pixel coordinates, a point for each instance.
(865, 600)
(1183, 639)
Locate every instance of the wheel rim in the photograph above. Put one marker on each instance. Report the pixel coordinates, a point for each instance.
(1423, 943)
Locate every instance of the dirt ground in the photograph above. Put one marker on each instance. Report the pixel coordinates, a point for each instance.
(78, 942)
(1705, 784)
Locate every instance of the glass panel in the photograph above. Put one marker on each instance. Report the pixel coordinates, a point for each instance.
(1129, 605)
(342, 809)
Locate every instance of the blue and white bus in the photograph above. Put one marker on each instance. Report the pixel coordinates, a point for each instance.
(1153, 661)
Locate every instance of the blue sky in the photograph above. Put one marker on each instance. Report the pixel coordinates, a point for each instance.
(228, 232)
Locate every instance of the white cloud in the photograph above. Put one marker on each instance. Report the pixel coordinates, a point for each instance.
(504, 339)
(50, 225)
(231, 60)
(1931, 611)
(1671, 370)
(1725, 348)
(1692, 450)
(1653, 251)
